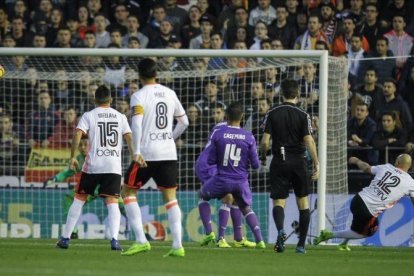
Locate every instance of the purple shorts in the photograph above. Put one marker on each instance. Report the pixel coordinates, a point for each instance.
(218, 187)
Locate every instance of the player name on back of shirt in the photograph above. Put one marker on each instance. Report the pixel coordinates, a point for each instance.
(234, 136)
(107, 115)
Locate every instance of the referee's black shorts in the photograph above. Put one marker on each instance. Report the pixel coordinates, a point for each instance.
(363, 222)
(164, 174)
(291, 173)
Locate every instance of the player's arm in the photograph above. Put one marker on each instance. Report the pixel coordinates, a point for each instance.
(181, 126)
(363, 166)
(254, 158)
(264, 146)
(136, 138)
(74, 147)
(310, 145)
(130, 144)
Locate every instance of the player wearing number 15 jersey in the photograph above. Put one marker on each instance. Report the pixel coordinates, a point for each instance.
(233, 150)
(106, 128)
(154, 108)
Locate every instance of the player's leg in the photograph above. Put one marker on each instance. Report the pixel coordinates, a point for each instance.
(304, 220)
(204, 210)
(133, 180)
(85, 186)
(109, 188)
(166, 181)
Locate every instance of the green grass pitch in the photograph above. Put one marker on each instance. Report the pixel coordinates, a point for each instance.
(94, 257)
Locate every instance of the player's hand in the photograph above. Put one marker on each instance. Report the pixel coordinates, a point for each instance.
(315, 175)
(73, 164)
(140, 160)
(353, 160)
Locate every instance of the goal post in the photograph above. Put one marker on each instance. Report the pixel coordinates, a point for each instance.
(332, 100)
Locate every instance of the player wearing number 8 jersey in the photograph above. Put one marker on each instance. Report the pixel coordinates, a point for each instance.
(154, 108)
(106, 128)
(389, 185)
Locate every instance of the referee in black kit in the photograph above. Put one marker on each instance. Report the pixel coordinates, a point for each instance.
(290, 129)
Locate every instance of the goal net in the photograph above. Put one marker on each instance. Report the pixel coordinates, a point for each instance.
(43, 94)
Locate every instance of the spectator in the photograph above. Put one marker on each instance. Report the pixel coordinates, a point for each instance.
(153, 27)
(231, 30)
(391, 102)
(21, 10)
(63, 96)
(192, 28)
(114, 69)
(94, 8)
(121, 18)
(370, 92)
(194, 135)
(63, 131)
(360, 131)
(281, 29)
(397, 7)
(90, 40)
(45, 9)
(407, 91)
(122, 106)
(56, 22)
(307, 41)
(165, 32)
(384, 64)
(292, 6)
(9, 142)
(371, 27)
(41, 120)
(103, 38)
(329, 20)
(204, 8)
(260, 33)
(264, 12)
(227, 15)
(309, 89)
(277, 44)
(21, 37)
(175, 13)
(400, 42)
(202, 41)
(342, 44)
(84, 22)
(256, 92)
(225, 91)
(132, 31)
(209, 100)
(389, 135)
(64, 38)
(355, 54)
(254, 121)
(18, 63)
(356, 12)
(5, 25)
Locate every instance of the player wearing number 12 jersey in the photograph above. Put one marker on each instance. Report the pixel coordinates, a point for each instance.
(106, 128)
(389, 185)
(154, 108)
(233, 150)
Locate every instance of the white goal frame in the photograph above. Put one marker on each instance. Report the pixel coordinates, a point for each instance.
(323, 85)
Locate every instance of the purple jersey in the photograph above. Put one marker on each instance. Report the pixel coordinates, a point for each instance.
(203, 170)
(233, 149)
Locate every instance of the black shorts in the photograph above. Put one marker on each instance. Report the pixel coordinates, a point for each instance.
(109, 184)
(363, 222)
(285, 175)
(164, 174)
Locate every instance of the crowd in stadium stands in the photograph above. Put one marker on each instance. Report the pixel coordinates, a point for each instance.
(381, 91)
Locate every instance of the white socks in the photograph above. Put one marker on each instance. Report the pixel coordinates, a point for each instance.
(114, 219)
(174, 220)
(73, 216)
(133, 213)
(347, 234)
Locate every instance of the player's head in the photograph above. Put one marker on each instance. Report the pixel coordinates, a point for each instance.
(234, 112)
(83, 145)
(290, 89)
(147, 69)
(403, 162)
(102, 95)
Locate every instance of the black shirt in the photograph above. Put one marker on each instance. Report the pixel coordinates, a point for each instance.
(288, 124)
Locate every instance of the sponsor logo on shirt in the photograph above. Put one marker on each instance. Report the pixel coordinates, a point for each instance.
(158, 136)
(108, 152)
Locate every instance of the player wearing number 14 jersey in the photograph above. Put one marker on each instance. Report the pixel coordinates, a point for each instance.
(106, 128)
(233, 150)
(154, 108)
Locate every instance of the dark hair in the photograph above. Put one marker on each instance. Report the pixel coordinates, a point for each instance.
(384, 39)
(290, 89)
(147, 68)
(102, 95)
(234, 111)
(390, 113)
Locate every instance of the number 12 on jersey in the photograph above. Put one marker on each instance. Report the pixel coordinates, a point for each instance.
(232, 153)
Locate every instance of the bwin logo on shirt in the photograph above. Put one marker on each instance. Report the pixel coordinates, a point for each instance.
(107, 152)
(160, 136)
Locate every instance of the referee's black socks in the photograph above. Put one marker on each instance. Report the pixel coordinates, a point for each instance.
(279, 217)
(304, 219)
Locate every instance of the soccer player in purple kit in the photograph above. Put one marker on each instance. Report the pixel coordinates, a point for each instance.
(233, 150)
(206, 173)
